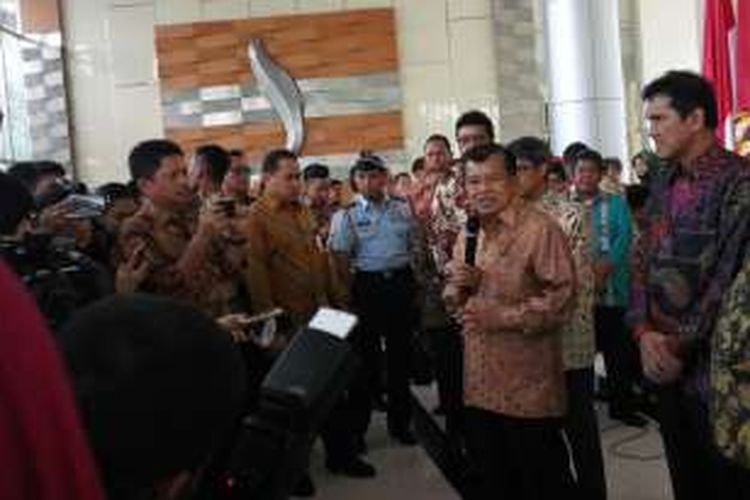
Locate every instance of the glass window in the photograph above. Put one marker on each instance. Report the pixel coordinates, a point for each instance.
(32, 83)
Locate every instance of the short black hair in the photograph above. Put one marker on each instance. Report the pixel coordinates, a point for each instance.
(687, 91)
(417, 165)
(439, 138)
(217, 162)
(612, 161)
(592, 156)
(480, 154)
(316, 171)
(572, 151)
(272, 161)
(336, 182)
(49, 167)
(401, 175)
(530, 149)
(476, 117)
(556, 168)
(16, 203)
(237, 153)
(26, 173)
(145, 158)
(158, 384)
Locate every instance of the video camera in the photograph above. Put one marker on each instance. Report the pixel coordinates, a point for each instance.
(60, 278)
(270, 451)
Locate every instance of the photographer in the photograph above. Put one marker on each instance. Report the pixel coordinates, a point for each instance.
(181, 252)
(51, 265)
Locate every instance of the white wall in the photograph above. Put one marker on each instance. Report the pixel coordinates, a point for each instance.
(671, 36)
(445, 50)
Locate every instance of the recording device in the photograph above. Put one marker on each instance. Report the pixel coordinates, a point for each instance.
(270, 452)
(472, 237)
(60, 278)
(228, 205)
(84, 206)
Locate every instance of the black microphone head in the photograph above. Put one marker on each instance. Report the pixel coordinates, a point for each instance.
(472, 226)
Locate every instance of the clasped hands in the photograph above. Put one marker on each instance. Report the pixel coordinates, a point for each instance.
(476, 314)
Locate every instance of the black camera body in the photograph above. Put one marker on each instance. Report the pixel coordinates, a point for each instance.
(60, 279)
(272, 447)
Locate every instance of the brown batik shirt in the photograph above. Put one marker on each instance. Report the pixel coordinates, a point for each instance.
(286, 266)
(179, 266)
(516, 367)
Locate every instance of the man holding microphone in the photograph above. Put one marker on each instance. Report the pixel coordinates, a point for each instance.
(512, 303)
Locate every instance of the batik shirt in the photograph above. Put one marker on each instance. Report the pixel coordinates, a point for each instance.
(440, 211)
(694, 235)
(515, 368)
(178, 267)
(578, 333)
(730, 372)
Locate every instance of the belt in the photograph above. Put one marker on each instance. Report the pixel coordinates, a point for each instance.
(387, 274)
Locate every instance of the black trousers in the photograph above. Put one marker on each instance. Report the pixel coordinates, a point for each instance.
(517, 458)
(582, 431)
(384, 303)
(620, 356)
(696, 468)
(447, 347)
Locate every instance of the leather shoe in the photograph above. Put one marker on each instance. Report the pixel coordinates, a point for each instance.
(304, 488)
(404, 436)
(630, 419)
(356, 468)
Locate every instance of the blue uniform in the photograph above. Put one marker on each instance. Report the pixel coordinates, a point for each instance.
(376, 236)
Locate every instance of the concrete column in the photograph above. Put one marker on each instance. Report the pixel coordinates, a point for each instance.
(586, 85)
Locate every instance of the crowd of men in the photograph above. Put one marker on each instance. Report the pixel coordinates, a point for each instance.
(513, 268)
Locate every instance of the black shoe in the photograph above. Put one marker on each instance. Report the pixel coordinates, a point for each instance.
(356, 468)
(304, 488)
(630, 419)
(438, 410)
(404, 436)
(360, 445)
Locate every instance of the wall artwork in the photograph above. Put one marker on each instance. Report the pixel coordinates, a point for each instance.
(326, 84)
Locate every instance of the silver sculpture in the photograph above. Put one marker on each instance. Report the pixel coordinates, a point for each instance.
(282, 91)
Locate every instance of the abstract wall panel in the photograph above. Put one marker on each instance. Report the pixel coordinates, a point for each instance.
(344, 65)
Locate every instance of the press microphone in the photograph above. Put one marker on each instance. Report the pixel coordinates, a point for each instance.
(472, 236)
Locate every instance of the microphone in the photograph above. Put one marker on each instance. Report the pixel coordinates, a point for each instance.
(472, 236)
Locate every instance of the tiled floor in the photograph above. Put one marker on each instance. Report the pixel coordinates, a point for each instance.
(633, 459)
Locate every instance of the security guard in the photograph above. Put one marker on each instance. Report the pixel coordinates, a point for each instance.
(373, 242)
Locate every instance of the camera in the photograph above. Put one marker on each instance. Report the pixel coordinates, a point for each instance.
(269, 452)
(60, 278)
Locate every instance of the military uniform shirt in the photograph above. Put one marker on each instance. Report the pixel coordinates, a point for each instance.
(376, 236)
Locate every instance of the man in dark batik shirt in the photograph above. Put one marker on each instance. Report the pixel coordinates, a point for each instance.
(693, 240)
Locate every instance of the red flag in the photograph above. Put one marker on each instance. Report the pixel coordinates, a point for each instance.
(719, 20)
(743, 56)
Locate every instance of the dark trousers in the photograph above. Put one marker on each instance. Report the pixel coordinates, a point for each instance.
(385, 306)
(582, 431)
(517, 458)
(696, 468)
(620, 356)
(447, 347)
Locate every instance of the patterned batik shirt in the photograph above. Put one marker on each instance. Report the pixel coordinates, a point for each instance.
(179, 266)
(730, 372)
(578, 334)
(515, 367)
(440, 210)
(694, 236)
